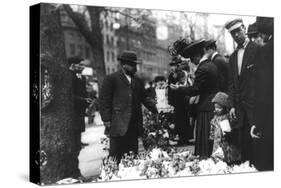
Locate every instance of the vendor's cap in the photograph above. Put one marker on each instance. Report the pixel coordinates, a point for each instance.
(192, 47)
(234, 24)
(129, 57)
(222, 99)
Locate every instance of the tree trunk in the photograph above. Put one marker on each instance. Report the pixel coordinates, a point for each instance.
(98, 52)
(57, 123)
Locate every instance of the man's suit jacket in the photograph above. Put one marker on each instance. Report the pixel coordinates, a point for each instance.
(263, 109)
(241, 87)
(223, 71)
(120, 101)
(206, 85)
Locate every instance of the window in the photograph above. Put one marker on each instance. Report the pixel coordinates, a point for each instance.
(107, 40)
(108, 70)
(107, 56)
(79, 37)
(112, 56)
(71, 34)
(106, 25)
(72, 49)
(80, 50)
(112, 41)
(113, 70)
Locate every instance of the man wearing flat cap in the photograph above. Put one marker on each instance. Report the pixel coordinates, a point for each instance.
(221, 63)
(121, 97)
(205, 86)
(241, 85)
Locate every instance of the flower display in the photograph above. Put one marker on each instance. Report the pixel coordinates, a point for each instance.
(159, 163)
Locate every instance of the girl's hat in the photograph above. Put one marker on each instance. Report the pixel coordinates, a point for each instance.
(222, 99)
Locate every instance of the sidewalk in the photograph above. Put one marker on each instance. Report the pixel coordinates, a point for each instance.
(90, 157)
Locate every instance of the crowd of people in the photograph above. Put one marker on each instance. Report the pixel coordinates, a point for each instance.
(233, 96)
(223, 104)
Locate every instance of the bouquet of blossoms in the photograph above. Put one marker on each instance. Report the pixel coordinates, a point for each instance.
(157, 130)
(170, 163)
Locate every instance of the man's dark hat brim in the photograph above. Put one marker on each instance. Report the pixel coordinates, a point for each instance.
(252, 29)
(129, 57)
(192, 47)
(210, 42)
(173, 63)
(74, 60)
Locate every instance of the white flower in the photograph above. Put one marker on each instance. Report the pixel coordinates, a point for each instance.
(67, 181)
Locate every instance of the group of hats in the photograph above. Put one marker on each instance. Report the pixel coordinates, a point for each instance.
(191, 48)
(262, 24)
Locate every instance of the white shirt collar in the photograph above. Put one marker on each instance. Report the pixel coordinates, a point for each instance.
(203, 59)
(246, 42)
(214, 54)
(128, 78)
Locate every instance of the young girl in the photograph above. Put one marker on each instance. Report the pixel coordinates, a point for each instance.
(220, 131)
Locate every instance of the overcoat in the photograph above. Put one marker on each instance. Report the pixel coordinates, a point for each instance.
(120, 102)
(206, 84)
(263, 109)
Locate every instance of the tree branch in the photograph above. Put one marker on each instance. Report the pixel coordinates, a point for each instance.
(80, 24)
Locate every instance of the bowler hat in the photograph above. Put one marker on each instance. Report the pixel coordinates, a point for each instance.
(128, 57)
(192, 47)
(252, 29)
(233, 24)
(74, 60)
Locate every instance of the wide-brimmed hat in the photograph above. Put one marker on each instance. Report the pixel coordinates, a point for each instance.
(210, 42)
(252, 29)
(193, 47)
(129, 57)
(233, 24)
(222, 99)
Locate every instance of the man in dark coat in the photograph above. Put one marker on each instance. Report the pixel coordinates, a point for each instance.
(121, 97)
(81, 101)
(206, 86)
(80, 104)
(241, 85)
(220, 62)
(262, 129)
